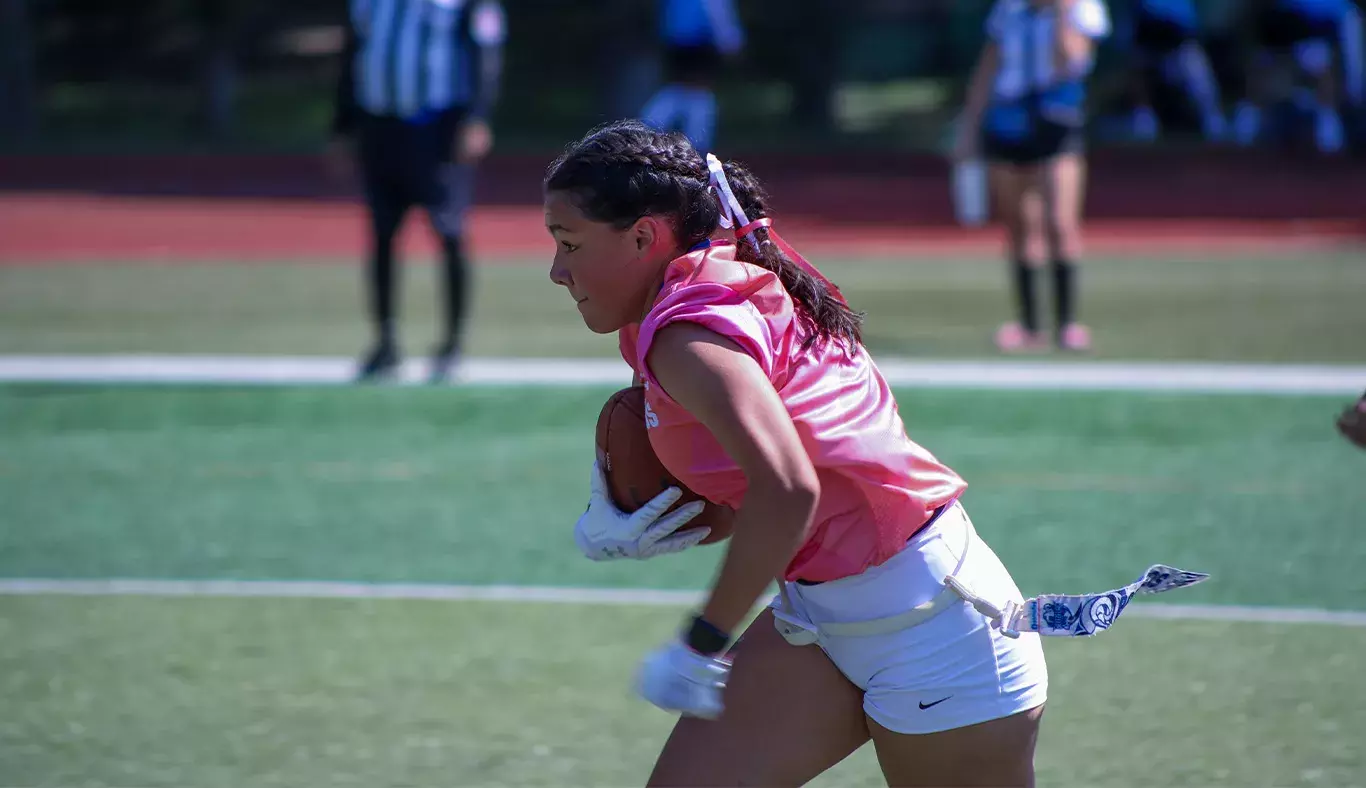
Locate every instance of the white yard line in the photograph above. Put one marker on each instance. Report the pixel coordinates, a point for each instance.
(1000, 375)
(582, 596)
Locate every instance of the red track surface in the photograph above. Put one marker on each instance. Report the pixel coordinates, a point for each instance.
(262, 209)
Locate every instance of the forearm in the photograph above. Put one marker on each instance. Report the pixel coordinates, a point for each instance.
(1070, 45)
(345, 109)
(979, 89)
(768, 530)
(488, 76)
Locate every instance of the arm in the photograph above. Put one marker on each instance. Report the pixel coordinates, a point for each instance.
(984, 73)
(487, 32)
(979, 90)
(346, 110)
(1070, 45)
(1080, 24)
(728, 392)
(979, 93)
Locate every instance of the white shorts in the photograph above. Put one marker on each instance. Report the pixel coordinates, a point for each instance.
(950, 671)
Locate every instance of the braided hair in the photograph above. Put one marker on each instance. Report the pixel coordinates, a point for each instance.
(625, 170)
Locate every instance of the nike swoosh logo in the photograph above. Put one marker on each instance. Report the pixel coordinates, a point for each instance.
(924, 705)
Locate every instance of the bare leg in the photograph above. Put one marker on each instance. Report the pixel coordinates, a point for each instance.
(1020, 206)
(790, 715)
(999, 754)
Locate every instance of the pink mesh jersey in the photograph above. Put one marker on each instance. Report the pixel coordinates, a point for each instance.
(877, 486)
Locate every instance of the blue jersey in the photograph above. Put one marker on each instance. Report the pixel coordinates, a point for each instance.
(1025, 36)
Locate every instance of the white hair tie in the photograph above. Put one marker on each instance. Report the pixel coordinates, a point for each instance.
(732, 215)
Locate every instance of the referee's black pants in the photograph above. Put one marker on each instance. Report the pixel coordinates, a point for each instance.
(406, 163)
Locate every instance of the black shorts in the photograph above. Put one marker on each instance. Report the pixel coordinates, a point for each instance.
(405, 163)
(1159, 35)
(1029, 138)
(699, 64)
(1280, 28)
(1039, 148)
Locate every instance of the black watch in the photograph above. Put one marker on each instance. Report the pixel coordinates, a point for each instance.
(704, 638)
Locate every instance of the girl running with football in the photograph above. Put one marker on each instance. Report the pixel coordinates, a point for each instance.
(896, 622)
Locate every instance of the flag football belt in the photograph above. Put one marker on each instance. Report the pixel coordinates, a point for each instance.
(1056, 615)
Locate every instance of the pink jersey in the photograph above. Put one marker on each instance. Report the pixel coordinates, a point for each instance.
(877, 486)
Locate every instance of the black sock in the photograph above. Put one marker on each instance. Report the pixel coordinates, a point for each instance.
(1064, 292)
(382, 293)
(457, 285)
(1026, 295)
(386, 215)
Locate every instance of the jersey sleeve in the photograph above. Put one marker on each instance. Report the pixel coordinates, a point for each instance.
(1092, 18)
(717, 308)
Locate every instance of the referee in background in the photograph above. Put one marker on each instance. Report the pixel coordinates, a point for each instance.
(418, 80)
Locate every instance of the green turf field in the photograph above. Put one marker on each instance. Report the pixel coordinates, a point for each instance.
(144, 692)
(1277, 310)
(480, 486)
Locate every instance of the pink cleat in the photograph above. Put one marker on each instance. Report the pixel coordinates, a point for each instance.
(1075, 337)
(1013, 338)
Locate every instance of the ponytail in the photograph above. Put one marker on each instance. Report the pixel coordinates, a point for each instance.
(822, 311)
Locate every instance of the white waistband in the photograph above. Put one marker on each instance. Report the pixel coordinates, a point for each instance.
(919, 614)
(1048, 614)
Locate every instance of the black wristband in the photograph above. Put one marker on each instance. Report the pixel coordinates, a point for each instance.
(704, 638)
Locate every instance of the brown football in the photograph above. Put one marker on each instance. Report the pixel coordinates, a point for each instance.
(634, 474)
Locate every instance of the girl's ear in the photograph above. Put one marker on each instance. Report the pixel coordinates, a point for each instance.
(645, 233)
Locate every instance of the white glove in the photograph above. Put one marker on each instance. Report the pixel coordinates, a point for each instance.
(676, 678)
(605, 532)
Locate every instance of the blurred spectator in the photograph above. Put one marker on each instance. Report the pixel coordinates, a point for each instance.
(630, 56)
(697, 35)
(1166, 37)
(418, 81)
(1306, 33)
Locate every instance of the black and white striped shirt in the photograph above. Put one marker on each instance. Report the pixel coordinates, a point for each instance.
(413, 58)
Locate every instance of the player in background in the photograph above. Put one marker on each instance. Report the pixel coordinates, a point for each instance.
(895, 620)
(1309, 33)
(1166, 35)
(1026, 112)
(698, 36)
(1352, 57)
